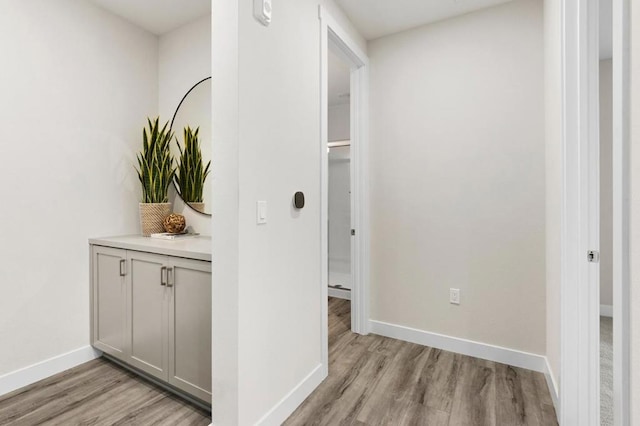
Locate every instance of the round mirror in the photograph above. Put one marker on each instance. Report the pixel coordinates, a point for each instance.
(191, 147)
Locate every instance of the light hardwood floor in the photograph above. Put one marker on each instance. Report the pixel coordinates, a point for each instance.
(97, 393)
(372, 380)
(375, 380)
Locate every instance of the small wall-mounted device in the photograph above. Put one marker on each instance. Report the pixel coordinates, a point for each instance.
(298, 200)
(454, 296)
(262, 11)
(261, 212)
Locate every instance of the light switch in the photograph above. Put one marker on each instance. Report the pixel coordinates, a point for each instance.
(261, 212)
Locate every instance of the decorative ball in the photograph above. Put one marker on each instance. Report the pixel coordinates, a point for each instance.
(174, 223)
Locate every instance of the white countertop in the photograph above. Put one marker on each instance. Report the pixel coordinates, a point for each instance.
(198, 247)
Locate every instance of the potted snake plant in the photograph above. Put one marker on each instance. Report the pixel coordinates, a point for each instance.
(191, 172)
(155, 171)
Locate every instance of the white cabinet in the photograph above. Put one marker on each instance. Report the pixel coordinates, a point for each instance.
(148, 311)
(109, 301)
(153, 312)
(189, 335)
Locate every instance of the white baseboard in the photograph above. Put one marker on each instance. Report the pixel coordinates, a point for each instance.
(606, 311)
(47, 368)
(287, 405)
(339, 293)
(462, 346)
(494, 353)
(553, 388)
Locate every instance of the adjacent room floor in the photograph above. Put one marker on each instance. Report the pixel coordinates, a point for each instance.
(375, 380)
(97, 393)
(606, 371)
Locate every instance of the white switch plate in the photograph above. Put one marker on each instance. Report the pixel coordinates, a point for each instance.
(454, 296)
(261, 212)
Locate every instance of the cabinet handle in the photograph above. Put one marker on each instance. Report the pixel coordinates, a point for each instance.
(123, 269)
(163, 275)
(170, 277)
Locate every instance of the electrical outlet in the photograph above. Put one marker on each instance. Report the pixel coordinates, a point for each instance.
(454, 296)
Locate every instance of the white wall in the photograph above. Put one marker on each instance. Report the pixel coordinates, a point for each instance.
(606, 184)
(77, 85)
(458, 177)
(269, 275)
(339, 123)
(184, 59)
(634, 258)
(340, 216)
(339, 195)
(553, 180)
(225, 245)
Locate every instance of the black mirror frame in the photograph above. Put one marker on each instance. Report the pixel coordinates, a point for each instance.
(171, 129)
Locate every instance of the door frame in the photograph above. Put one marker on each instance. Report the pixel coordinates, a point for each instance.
(580, 310)
(579, 293)
(334, 37)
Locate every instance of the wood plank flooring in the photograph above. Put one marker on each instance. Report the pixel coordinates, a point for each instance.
(375, 380)
(97, 393)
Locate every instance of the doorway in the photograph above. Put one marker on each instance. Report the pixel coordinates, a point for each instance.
(339, 176)
(583, 198)
(613, 93)
(606, 233)
(348, 271)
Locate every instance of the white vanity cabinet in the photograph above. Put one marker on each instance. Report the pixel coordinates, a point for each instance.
(147, 313)
(109, 304)
(151, 308)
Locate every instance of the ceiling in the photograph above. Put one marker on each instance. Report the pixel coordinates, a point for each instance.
(377, 18)
(339, 80)
(157, 16)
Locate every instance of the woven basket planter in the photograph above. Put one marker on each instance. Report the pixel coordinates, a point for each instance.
(151, 217)
(199, 207)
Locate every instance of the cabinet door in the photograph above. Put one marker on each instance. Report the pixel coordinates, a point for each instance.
(190, 327)
(147, 313)
(108, 288)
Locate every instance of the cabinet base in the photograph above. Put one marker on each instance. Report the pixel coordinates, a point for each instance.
(160, 383)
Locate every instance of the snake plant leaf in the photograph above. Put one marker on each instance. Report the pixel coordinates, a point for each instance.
(155, 163)
(191, 174)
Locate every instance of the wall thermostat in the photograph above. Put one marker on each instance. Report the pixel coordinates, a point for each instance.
(262, 11)
(298, 200)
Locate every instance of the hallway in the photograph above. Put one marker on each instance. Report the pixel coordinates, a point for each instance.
(375, 380)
